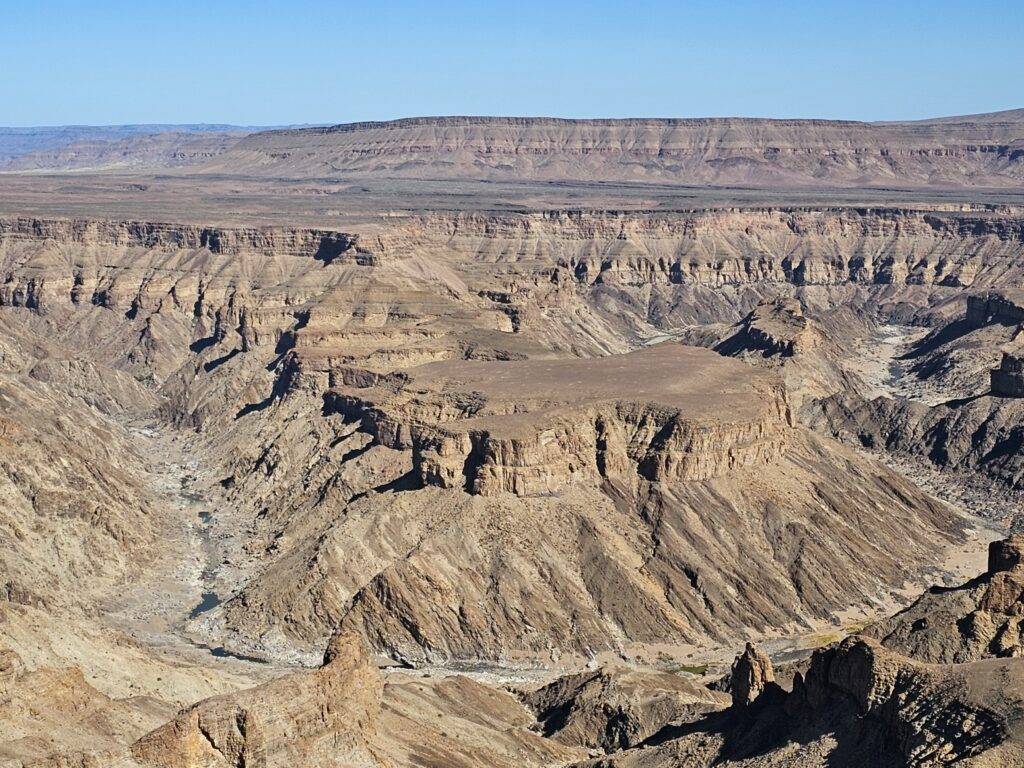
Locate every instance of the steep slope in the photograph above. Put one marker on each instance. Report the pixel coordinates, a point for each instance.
(937, 684)
(450, 436)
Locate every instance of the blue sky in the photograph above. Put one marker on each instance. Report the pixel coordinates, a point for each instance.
(310, 61)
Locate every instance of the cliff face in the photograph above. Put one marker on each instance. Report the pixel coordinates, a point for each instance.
(454, 436)
(964, 151)
(1008, 378)
(717, 249)
(666, 414)
(310, 243)
(972, 150)
(536, 257)
(1005, 307)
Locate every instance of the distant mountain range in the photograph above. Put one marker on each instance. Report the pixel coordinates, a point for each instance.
(984, 150)
(76, 147)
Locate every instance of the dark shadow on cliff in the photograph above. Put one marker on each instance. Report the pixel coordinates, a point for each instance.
(410, 481)
(936, 339)
(214, 364)
(777, 720)
(278, 391)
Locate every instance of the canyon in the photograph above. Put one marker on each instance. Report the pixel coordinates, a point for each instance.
(366, 446)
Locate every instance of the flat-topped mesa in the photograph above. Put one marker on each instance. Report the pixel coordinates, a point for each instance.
(1008, 379)
(756, 152)
(667, 413)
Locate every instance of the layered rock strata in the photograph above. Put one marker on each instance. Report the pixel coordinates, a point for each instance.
(1004, 306)
(963, 151)
(668, 414)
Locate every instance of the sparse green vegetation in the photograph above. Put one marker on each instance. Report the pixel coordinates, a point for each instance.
(690, 669)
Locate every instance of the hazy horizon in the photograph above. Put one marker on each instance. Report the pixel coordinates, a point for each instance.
(217, 125)
(317, 63)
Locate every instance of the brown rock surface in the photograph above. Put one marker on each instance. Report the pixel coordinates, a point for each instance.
(979, 619)
(1008, 378)
(971, 150)
(55, 717)
(751, 673)
(344, 713)
(324, 716)
(441, 431)
(897, 702)
(617, 706)
(668, 414)
(957, 412)
(636, 495)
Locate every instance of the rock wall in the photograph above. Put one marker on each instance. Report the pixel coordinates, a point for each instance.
(622, 439)
(1004, 306)
(315, 243)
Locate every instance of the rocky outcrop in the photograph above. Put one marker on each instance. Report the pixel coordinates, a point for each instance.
(870, 700)
(617, 706)
(1004, 306)
(55, 718)
(308, 718)
(858, 704)
(978, 620)
(751, 674)
(772, 328)
(930, 716)
(1005, 555)
(1008, 378)
(346, 714)
(11, 666)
